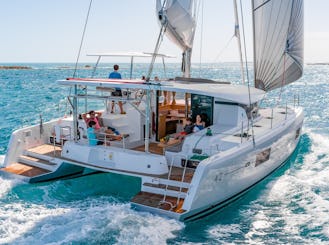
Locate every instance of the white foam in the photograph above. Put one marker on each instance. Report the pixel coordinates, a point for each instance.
(7, 184)
(297, 201)
(16, 219)
(2, 159)
(83, 222)
(220, 232)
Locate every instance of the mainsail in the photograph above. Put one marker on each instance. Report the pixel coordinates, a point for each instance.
(278, 42)
(179, 19)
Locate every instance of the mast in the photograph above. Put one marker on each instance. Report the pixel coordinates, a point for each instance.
(187, 63)
(237, 35)
(253, 39)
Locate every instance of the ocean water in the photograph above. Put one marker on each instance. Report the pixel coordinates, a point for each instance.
(289, 207)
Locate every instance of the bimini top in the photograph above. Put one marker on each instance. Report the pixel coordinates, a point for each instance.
(223, 91)
(130, 54)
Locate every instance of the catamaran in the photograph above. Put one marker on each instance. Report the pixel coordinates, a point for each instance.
(188, 177)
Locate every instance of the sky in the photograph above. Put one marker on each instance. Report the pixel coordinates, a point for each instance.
(51, 31)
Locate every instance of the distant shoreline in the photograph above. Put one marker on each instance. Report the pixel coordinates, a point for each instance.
(15, 67)
(322, 64)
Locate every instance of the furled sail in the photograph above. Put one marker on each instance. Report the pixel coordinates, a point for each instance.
(278, 42)
(179, 18)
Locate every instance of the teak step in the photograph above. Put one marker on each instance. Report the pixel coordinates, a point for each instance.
(177, 174)
(45, 149)
(24, 170)
(155, 201)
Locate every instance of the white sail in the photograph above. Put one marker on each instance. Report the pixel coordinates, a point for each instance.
(179, 18)
(278, 42)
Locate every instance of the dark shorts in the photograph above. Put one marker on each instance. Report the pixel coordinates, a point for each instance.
(117, 93)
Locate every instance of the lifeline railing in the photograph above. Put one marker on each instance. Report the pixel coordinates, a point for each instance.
(60, 137)
(163, 201)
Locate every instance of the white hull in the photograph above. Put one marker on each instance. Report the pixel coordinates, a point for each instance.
(224, 179)
(234, 166)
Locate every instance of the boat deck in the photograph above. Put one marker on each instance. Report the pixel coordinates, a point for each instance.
(176, 173)
(24, 170)
(47, 150)
(156, 201)
(153, 148)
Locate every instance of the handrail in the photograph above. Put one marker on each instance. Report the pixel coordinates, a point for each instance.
(180, 187)
(183, 177)
(106, 140)
(61, 136)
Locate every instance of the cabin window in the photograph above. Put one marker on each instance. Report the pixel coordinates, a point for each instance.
(297, 133)
(172, 109)
(202, 105)
(263, 156)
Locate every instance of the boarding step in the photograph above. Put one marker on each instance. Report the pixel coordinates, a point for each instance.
(37, 162)
(173, 183)
(156, 201)
(172, 191)
(45, 152)
(24, 170)
(38, 156)
(178, 172)
(169, 187)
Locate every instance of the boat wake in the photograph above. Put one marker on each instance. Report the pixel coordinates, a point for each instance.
(72, 211)
(293, 208)
(93, 221)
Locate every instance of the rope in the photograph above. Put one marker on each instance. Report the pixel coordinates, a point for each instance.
(155, 52)
(246, 63)
(225, 47)
(157, 46)
(283, 78)
(82, 38)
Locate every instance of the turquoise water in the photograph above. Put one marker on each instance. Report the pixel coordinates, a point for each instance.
(289, 207)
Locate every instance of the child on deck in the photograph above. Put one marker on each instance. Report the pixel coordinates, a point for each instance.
(92, 135)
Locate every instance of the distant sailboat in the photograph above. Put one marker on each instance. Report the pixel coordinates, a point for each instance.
(180, 177)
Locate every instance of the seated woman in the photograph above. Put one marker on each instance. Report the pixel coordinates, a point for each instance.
(92, 117)
(102, 133)
(99, 125)
(188, 129)
(199, 124)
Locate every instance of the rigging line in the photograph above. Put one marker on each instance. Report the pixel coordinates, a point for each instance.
(160, 39)
(283, 77)
(225, 47)
(82, 38)
(155, 52)
(247, 72)
(261, 5)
